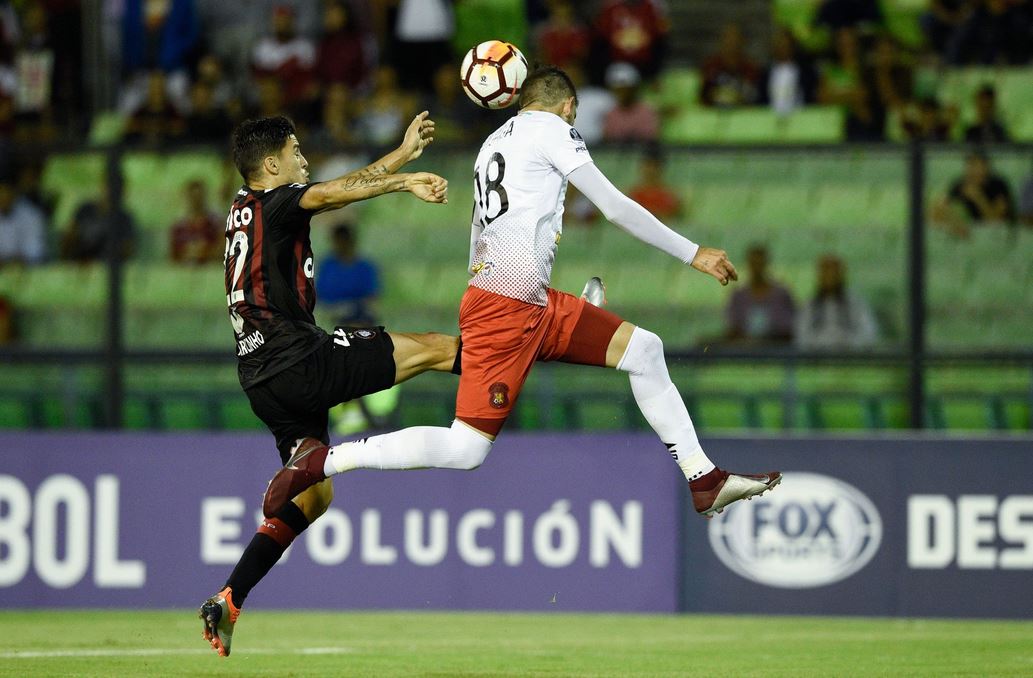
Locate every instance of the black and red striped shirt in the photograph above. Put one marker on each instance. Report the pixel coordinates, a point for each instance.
(269, 281)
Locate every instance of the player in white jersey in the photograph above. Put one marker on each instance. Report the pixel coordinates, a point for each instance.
(510, 318)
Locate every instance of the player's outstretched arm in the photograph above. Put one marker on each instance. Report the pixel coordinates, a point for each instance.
(636, 220)
(370, 182)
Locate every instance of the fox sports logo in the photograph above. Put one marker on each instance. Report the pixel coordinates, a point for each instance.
(814, 531)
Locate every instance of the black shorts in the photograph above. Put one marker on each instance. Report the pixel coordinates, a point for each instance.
(295, 403)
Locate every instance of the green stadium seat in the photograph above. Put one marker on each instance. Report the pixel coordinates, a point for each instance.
(814, 125)
(902, 20)
(74, 179)
(725, 205)
(692, 125)
(785, 206)
(80, 286)
(842, 206)
(678, 88)
(107, 128)
(751, 126)
(1022, 127)
(1015, 93)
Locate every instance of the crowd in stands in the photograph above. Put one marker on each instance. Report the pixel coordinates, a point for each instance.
(352, 73)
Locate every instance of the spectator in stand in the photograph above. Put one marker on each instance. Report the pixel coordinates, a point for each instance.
(634, 32)
(7, 329)
(34, 76)
(927, 120)
(730, 78)
(1026, 201)
(336, 128)
(563, 40)
(340, 57)
(268, 98)
(386, 111)
(835, 318)
(762, 312)
(858, 15)
(987, 129)
(197, 238)
(652, 192)
(978, 197)
(347, 284)
(6, 117)
(994, 32)
(790, 81)
(423, 29)
(290, 60)
(843, 83)
(88, 235)
(210, 72)
(941, 23)
(631, 119)
(23, 230)
(593, 104)
(157, 122)
(30, 186)
(157, 35)
(206, 122)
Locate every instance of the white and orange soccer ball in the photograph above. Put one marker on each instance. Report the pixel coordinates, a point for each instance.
(492, 74)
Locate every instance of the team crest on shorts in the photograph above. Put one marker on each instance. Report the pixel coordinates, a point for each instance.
(498, 395)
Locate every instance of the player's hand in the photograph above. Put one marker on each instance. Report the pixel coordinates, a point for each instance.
(418, 136)
(715, 263)
(428, 187)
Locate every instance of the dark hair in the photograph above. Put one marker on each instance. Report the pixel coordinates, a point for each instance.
(344, 230)
(255, 140)
(987, 90)
(548, 86)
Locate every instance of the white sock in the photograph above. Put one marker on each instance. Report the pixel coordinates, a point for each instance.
(661, 404)
(458, 447)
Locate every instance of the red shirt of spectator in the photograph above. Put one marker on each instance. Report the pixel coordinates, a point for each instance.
(286, 56)
(563, 39)
(631, 29)
(652, 193)
(198, 238)
(340, 57)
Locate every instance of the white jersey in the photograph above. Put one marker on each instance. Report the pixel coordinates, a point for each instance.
(520, 180)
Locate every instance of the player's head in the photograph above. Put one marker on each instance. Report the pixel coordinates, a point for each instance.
(266, 152)
(550, 89)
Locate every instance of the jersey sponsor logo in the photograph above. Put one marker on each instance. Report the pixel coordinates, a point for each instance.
(250, 343)
(498, 395)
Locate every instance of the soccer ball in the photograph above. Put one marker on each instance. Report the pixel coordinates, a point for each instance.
(492, 73)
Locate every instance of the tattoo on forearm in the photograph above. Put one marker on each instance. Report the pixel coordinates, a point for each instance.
(367, 177)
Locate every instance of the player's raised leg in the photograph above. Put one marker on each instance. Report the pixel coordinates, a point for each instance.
(640, 353)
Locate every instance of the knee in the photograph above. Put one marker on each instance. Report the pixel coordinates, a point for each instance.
(471, 448)
(649, 346)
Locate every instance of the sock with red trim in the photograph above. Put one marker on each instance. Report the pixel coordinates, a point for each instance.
(273, 537)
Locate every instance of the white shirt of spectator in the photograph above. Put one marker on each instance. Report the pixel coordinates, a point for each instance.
(22, 233)
(270, 54)
(850, 324)
(520, 182)
(784, 88)
(424, 21)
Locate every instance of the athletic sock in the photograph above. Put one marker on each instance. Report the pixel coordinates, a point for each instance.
(458, 447)
(273, 537)
(661, 404)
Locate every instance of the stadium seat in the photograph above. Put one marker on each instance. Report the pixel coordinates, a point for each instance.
(783, 206)
(73, 179)
(725, 205)
(902, 20)
(842, 206)
(107, 128)
(692, 125)
(751, 126)
(678, 88)
(813, 125)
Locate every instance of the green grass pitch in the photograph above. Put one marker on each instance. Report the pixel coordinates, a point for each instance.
(168, 643)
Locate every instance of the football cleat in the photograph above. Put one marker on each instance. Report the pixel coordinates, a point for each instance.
(219, 614)
(595, 292)
(303, 470)
(719, 488)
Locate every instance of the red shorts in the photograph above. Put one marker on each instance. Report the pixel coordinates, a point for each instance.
(503, 337)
